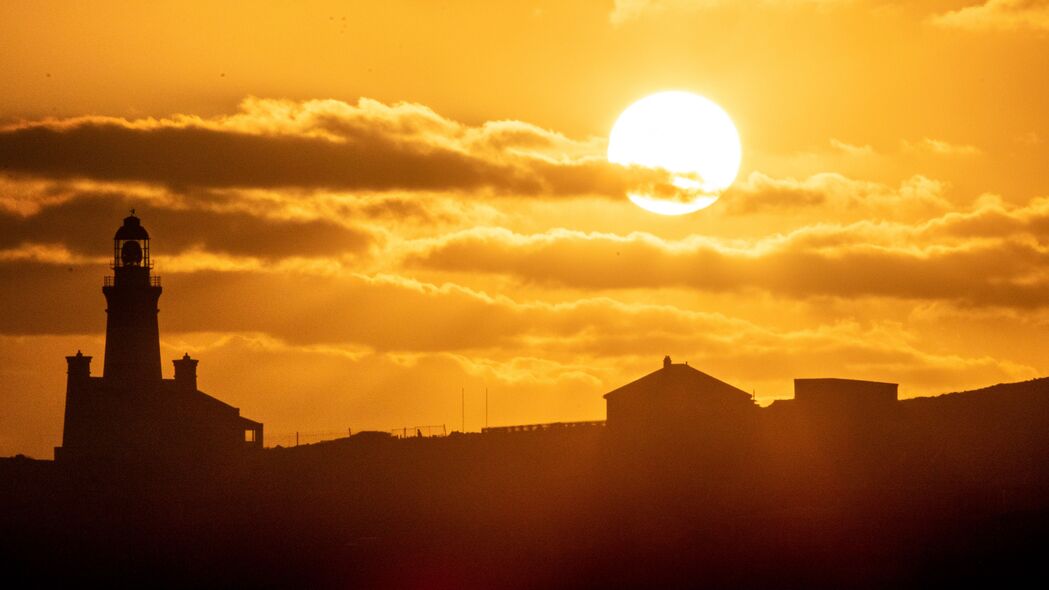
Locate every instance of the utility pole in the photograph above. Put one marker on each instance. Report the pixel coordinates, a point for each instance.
(464, 410)
(486, 406)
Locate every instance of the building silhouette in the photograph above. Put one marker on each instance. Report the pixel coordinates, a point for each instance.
(675, 399)
(132, 412)
(678, 403)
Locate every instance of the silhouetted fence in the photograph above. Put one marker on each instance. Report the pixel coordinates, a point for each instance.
(420, 431)
(548, 426)
(293, 439)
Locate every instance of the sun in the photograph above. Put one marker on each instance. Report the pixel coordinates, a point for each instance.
(685, 134)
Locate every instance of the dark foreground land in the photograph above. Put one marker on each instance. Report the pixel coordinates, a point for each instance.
(952, 490)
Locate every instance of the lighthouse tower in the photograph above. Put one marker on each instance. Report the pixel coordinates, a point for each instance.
(132, 334)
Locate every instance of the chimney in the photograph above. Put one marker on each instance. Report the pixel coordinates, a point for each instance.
(186, 373)
(79, 368)
(666, 361)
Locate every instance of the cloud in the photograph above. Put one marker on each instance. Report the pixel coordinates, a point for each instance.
(993, 255)
(74, 223)
(387, 313)
(938, 147)
(1003, 15)
(835, 193)
(851, 150)
(319, 144)
(902, 242)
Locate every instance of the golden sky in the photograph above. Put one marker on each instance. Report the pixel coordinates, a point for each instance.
(358, 209)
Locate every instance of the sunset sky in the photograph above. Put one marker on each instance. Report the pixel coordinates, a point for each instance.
(358, 209)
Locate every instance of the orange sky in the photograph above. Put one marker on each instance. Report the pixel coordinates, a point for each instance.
(359, 209)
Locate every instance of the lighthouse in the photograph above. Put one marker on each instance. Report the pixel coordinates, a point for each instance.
(131, 413)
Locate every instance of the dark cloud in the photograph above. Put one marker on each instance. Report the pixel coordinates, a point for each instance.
(347, 315)
(85, 222)
(51, 299)
(320, 145)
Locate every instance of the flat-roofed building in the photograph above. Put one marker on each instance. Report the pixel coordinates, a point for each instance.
(836, 393)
